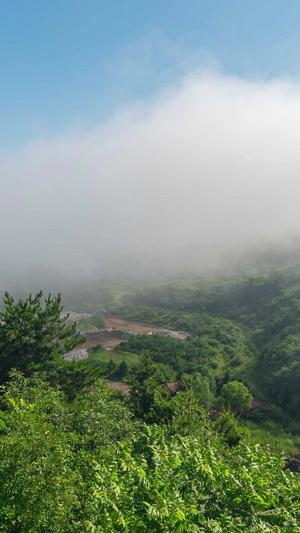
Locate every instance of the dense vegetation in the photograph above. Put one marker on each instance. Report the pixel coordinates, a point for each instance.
(90, 465)
(78, 456)
(246, 329)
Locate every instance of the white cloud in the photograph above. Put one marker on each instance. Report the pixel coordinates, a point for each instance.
(209, 166)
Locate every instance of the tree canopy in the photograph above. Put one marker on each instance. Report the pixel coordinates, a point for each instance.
(32, 333)
(234, 395)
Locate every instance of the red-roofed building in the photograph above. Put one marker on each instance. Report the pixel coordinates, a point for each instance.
(173, 386)
(256, 405)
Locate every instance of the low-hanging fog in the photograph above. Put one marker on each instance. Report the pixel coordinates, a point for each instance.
(208, 168)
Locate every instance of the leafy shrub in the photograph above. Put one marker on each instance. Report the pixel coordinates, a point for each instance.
(181, 485)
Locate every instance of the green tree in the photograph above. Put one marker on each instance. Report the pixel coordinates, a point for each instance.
(230, 429)
(200, 385)
(145, 380)
(101, 419)
(123, 369)
(72, 377)
(234, 395)
(32, 333)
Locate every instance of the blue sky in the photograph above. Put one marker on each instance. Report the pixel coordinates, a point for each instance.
(73, 63)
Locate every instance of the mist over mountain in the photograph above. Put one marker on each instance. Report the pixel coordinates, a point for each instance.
(207, 169)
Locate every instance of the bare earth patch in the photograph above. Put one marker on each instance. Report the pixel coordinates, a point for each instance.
(113, 334)
(134, 327)
(119, 385)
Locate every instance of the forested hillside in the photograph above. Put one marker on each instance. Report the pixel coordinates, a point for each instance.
(76, 455)
(246, 329)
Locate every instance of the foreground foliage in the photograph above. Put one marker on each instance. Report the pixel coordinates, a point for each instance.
(87, 466)
(183, 485)
(38, 475)
(46, 451)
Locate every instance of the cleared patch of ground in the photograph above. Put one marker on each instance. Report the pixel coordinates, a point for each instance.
(119, 385)
(113, 334)
(107, 339)
(114, 331)
(133, 327)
